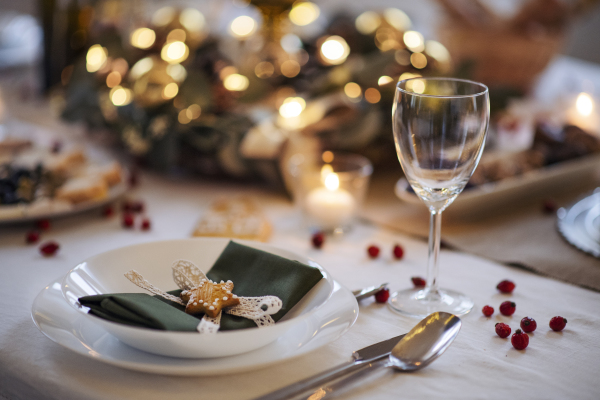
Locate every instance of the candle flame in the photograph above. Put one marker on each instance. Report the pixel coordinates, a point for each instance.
(584, 104)
(332, 182)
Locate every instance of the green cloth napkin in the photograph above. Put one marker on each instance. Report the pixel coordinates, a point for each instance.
(253, 273)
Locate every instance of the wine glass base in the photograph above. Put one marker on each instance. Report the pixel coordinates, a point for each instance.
(413, 302)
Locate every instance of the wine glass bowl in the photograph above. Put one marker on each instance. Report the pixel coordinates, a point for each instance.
(440, 126)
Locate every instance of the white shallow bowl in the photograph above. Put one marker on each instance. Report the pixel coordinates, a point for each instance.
(103, 273)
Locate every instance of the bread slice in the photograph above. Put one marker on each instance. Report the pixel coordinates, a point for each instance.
(81, 189)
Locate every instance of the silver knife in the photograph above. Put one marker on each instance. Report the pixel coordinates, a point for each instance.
(360, 358)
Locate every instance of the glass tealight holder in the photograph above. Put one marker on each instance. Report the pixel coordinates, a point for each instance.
(329, 189)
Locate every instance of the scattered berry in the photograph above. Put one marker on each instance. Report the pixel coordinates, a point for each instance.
(127, 220)
(519, 340)
(108, 211)
(398, 252)
(549, 207)
(373, 251)
(145, 224)
(487, 311)
(558, 323)
(32, 237)
(508, 308)
(418, 281)
(43, 224)
(318, 239)
(48, 249)
(528, 324)
(502, 330)
(506, 286)
(383, 295)
(134, 177)
(137, 206)
(57, 146)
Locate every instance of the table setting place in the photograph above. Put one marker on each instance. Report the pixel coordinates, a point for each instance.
(211, 201)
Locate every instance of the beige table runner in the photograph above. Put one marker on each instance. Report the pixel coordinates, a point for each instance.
(520, 233)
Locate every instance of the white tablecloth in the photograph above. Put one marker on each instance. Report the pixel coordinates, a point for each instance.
(479, 365)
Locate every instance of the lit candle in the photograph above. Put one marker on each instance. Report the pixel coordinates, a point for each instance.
(584, 115)
(330, 206)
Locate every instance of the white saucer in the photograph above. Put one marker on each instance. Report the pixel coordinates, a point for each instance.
(60, 322)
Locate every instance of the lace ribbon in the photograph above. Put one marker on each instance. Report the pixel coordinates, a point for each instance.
(188, 276)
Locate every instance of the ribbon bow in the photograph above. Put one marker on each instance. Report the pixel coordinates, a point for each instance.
(189, 277)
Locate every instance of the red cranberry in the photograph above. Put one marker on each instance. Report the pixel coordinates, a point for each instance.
(134, 177)
(487, 311)
(145, 224)
(558, 323)
(398, 252)
(137, 206)
(48, 249)
(502, 330)
(508, 308)
(519, 340)
(549, 206)
(128, 220)
(418, 281)
(528, 324)
(506, 286)
(373, 251)
(43, 224)
(382, 296)
(32, 237)
(108, 211)
(317, 240)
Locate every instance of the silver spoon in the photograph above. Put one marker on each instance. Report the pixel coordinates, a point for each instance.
(428, 340)
(368, 291)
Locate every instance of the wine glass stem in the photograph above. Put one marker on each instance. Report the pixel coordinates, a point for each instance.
(435, 234)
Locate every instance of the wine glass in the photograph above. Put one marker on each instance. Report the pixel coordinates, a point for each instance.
(440, 126)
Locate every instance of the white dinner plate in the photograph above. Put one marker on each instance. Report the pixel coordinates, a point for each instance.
(544, 181)
(60, 322)
(103, 274)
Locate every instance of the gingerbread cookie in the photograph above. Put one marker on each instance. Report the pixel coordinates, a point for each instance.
(209, 298)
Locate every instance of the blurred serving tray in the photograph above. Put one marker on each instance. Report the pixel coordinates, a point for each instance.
(554, 179)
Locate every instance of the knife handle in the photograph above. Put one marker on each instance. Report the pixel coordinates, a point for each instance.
(314, 381)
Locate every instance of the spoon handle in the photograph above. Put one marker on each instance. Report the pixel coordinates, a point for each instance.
(336, 388)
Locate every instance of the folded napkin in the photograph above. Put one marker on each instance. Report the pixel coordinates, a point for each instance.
(253, 272)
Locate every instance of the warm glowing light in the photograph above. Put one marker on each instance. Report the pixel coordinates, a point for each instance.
(304, 13)
(414, 41)
(418, 60)
(226, 71)
(113, 79)
(163, 16)
(291, 43)
(120, 96)
(120, 65)
(242, 27)
(372, 95)
(292, 107)
(417, 85)
(584, 104)
(141, 67)
(437, 51)
(174, 52)
(327, 168)
(335, 50)
(397, 18)
(264, 70)
(192, 20)
(183, 118)
(367, 22)
(402, 57)
(408, 75)
(177, 72)
(384, 80)
(95, 58)
(236, 83)
(352, 90)
(327, 157)
(332, 182)
(143, 38)
(290, 68)
(193, 111)
(176, 35)
(170, 91)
